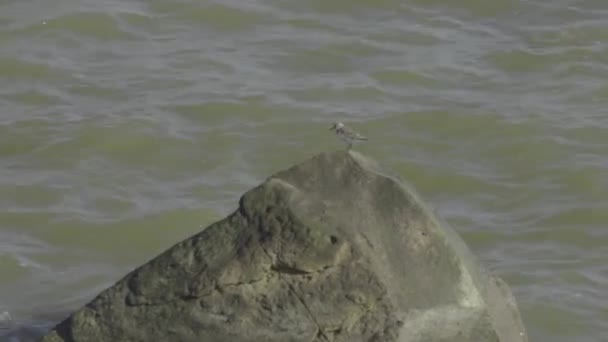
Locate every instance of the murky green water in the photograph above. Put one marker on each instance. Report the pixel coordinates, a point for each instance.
(126, 126)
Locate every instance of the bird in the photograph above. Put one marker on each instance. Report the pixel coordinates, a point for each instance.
(346, 134)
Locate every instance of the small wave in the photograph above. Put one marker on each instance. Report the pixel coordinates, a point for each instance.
(218, 16)
(19, 68)
(89, 24)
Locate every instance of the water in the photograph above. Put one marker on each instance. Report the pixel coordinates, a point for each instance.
(126, 126)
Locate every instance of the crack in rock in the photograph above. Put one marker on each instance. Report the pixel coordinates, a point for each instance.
(320, 332)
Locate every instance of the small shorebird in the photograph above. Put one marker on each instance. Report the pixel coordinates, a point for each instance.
(346, 134)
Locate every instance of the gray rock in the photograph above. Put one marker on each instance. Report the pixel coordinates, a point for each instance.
(333, 249)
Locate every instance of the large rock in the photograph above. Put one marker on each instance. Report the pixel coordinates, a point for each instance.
(333, 249)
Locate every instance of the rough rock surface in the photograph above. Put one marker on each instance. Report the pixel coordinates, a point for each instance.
(333, 249)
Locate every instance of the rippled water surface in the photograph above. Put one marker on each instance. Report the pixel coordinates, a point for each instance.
(126, 126)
